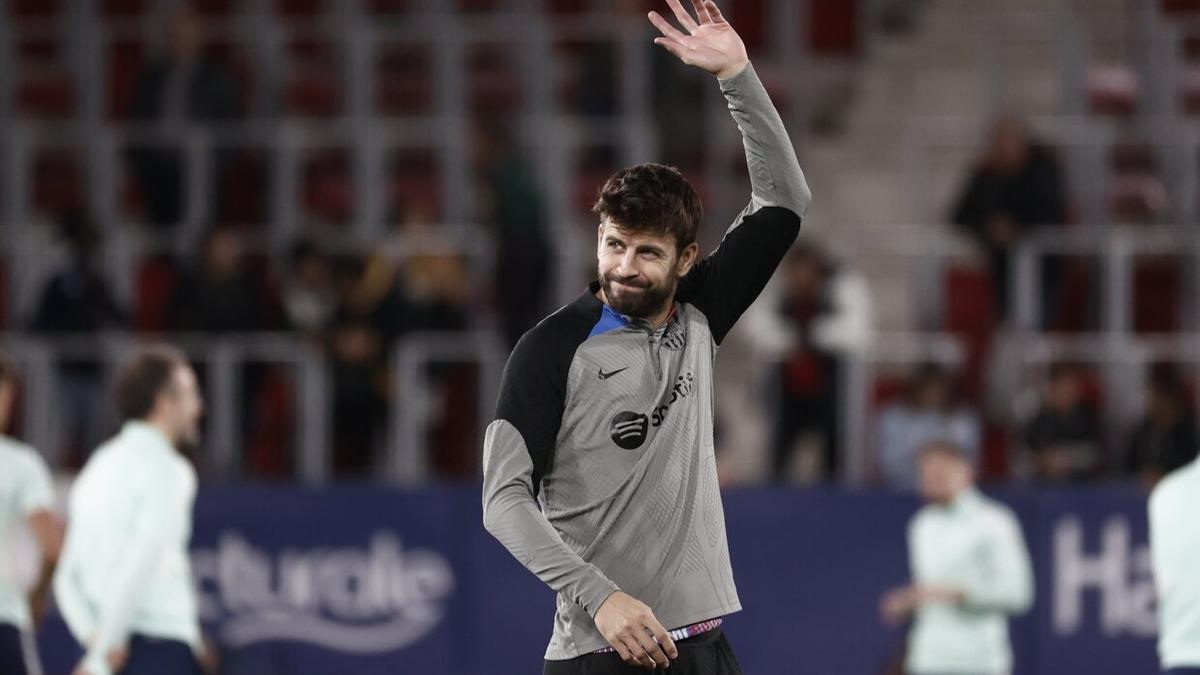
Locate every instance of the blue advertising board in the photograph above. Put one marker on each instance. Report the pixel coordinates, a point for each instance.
(370, 580)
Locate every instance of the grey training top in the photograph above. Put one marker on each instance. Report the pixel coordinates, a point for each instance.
(607, 422)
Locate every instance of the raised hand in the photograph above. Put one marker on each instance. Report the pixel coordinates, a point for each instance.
(707, 42)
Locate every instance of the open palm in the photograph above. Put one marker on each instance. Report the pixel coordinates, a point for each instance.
(707, 41)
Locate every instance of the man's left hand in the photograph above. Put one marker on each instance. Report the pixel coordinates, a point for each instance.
(707, 41)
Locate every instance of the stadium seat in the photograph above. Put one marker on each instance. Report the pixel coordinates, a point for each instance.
(970, 314)
(245, 190)
(156, 278)
(123, 9)
(58, 182)
(1179, 7)
(1157, 282)
(1113, 90)
(126, 58)
(51, 95)
(404, 80)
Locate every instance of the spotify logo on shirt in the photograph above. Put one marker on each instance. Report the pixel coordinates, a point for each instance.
(628, 429)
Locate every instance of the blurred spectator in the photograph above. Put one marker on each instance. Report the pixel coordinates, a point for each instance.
(826, 311)
(222, 294)
(513, 206)
(76, 301)
(367, 320)
(436, 292)
(929, 412)
(1166, 438)
(970, 571)
(1063, 437)
(1014, 187)
(182, 87)
(310, 292)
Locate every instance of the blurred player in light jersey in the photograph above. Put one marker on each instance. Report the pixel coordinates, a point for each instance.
(970, 572)
(26, 495)
(1175, 555)
(125, 584)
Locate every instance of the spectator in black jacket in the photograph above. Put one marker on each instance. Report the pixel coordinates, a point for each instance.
(1014, 188)
(1166, 438)
(182, 88)
(1064, 437)
(76, 302)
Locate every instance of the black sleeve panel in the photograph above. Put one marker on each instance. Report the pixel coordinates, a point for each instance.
(727, 282)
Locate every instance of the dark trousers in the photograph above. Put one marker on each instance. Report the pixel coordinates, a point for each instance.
(12, 652)
(152, 656)
(707, 654)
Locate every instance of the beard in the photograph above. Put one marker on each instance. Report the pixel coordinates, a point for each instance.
(641, 302)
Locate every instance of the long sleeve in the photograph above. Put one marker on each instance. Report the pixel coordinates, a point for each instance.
(1006, 584)
(518, 450)
(162, 520)
(775, 175)
(728, 281)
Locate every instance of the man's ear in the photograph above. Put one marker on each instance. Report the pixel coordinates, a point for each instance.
(687, 259)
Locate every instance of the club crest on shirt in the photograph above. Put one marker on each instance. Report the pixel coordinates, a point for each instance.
(674, 336)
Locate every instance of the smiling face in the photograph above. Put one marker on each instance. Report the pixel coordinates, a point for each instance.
(639, 271)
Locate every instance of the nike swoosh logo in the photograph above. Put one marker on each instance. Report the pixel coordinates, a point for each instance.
(605, 376)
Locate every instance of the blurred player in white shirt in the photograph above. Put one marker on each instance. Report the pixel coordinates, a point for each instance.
(26, 496)
(125, 584)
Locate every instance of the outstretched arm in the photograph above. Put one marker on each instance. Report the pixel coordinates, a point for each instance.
(725, 283)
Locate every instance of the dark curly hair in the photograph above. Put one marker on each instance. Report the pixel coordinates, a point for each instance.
(143, 379)
(652, 198)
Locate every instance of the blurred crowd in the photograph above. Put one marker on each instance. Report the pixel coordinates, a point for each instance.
(355, 299)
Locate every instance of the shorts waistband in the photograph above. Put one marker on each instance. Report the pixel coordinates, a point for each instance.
(683, 633)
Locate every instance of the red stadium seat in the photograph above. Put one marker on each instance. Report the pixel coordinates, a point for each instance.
(40, 50)
(214, 7)
(390, 6)
(1189, 90)
(971, 315)
(58, 182)
(1137, 198)
(4, 291)
(294, 8)
(121, 9)
(315, 95)
(51, 95)
(39, 9)
(272, 432)
(1177, 7)
(156, 278)
(833, 28)
(1113, 90)
(1157, 283)
(328, 189)
(126, 58)
(246, 188)
(404, 80)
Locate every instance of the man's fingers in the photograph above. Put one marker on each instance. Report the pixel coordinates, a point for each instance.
(623, 652)
(653, 649)
(714, 12)
(681, 14)
(663, 637)
(671, 46)
(637, 653)
(665, 27)
(702, 11)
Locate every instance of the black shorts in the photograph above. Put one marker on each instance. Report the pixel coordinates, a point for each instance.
(153, 656)
(706, 654)
(12, 651)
